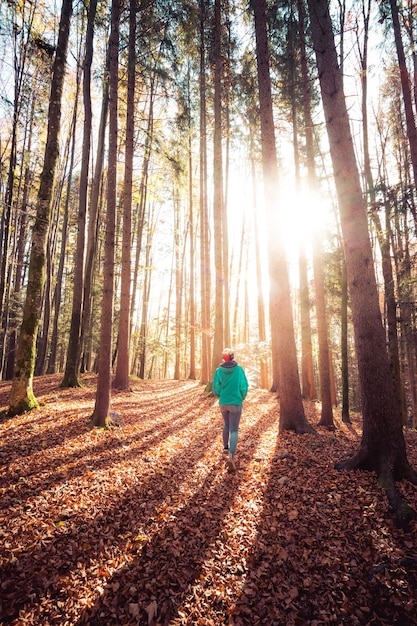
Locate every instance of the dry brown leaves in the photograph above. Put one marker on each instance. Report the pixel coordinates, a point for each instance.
(143, 524)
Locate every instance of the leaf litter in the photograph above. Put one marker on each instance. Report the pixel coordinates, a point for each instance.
(143, 524)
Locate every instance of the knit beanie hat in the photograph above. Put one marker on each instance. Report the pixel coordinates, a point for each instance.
(228, 354)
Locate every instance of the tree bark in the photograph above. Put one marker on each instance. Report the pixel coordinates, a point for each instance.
(22, 397)
(406, 89)
(121, 379)
(192, 314)
(382, 446)
(100, 417)
(218, 231)
(292, 415)
(204, 221)
(74, 345)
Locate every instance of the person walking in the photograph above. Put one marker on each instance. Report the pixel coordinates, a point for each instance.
(230, 385)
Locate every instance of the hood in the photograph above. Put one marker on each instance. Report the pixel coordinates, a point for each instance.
(227, 365)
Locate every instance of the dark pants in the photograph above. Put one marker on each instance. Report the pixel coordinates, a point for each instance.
(231, 417)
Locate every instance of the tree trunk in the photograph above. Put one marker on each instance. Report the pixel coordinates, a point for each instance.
(143, 195)
(326, 417)
(344, 343)
(263, 363)
(22, 397)
(100, 416)
(145, 302)
(121, 379)
(382, 446)
(406, 89)
(192, 315)
(204, 221)
(63, 249)
(74, 348)
(292, 415)
(177, 270)
(218, 232)
(21, 229)
(22, 38)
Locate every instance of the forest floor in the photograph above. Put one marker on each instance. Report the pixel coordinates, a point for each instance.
(144, 525)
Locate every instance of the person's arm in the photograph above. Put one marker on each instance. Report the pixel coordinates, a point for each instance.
(243, 384)
(216, 387)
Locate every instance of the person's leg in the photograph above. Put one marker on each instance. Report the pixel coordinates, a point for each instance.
(225, 413)
(234, 420)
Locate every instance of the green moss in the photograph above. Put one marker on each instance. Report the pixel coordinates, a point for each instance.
(25, 405)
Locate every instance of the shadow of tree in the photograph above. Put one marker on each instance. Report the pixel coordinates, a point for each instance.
(76, 540)
(51, 468)
(310, 562)
(159, 581)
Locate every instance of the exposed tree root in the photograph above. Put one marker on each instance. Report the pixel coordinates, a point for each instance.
(387, 476)
(360, 460)
(403, 512)
(300, 427)
(70, 382)
(326, 426)
(107, 424)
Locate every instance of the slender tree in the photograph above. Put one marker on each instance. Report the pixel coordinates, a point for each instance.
(219, 233)
(22, 397)
(383, 234)
(121, 379)
(74, 348)
(292, 415)
(382, 446)
(22, 37)
(406, 88)
(93, 222)
(203, 206)
(192, 300)
(307, 365)
(100, 416)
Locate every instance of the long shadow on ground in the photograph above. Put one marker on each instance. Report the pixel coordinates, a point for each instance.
(311, 561)
(154, 586)
(42, 580)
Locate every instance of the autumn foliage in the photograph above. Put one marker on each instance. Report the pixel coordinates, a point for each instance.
(142, 524)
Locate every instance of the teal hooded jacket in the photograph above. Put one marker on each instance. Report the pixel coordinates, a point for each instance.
(230, 384)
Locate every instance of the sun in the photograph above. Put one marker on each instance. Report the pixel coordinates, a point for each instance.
(304, 214)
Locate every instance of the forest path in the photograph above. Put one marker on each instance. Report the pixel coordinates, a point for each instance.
(144, 525)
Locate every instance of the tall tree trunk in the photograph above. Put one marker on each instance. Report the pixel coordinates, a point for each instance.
(383, 240)
(121, 380)
(22, 397)
(226, 84)
(307, 365)
(204, 221)
(74, 348)
(21, 229)
(382, 446)
(406, 89)
(326, 418)
(145, 305)
(143, 194)
(218, 231)
(263, 363)
(192, 303)
(70, 154)
(94, 213)
(100, 416)
(178, 271)
(20, 57)
(344, 342)
(292, 415)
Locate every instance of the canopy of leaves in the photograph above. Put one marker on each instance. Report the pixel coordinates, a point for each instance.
(143, 525)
